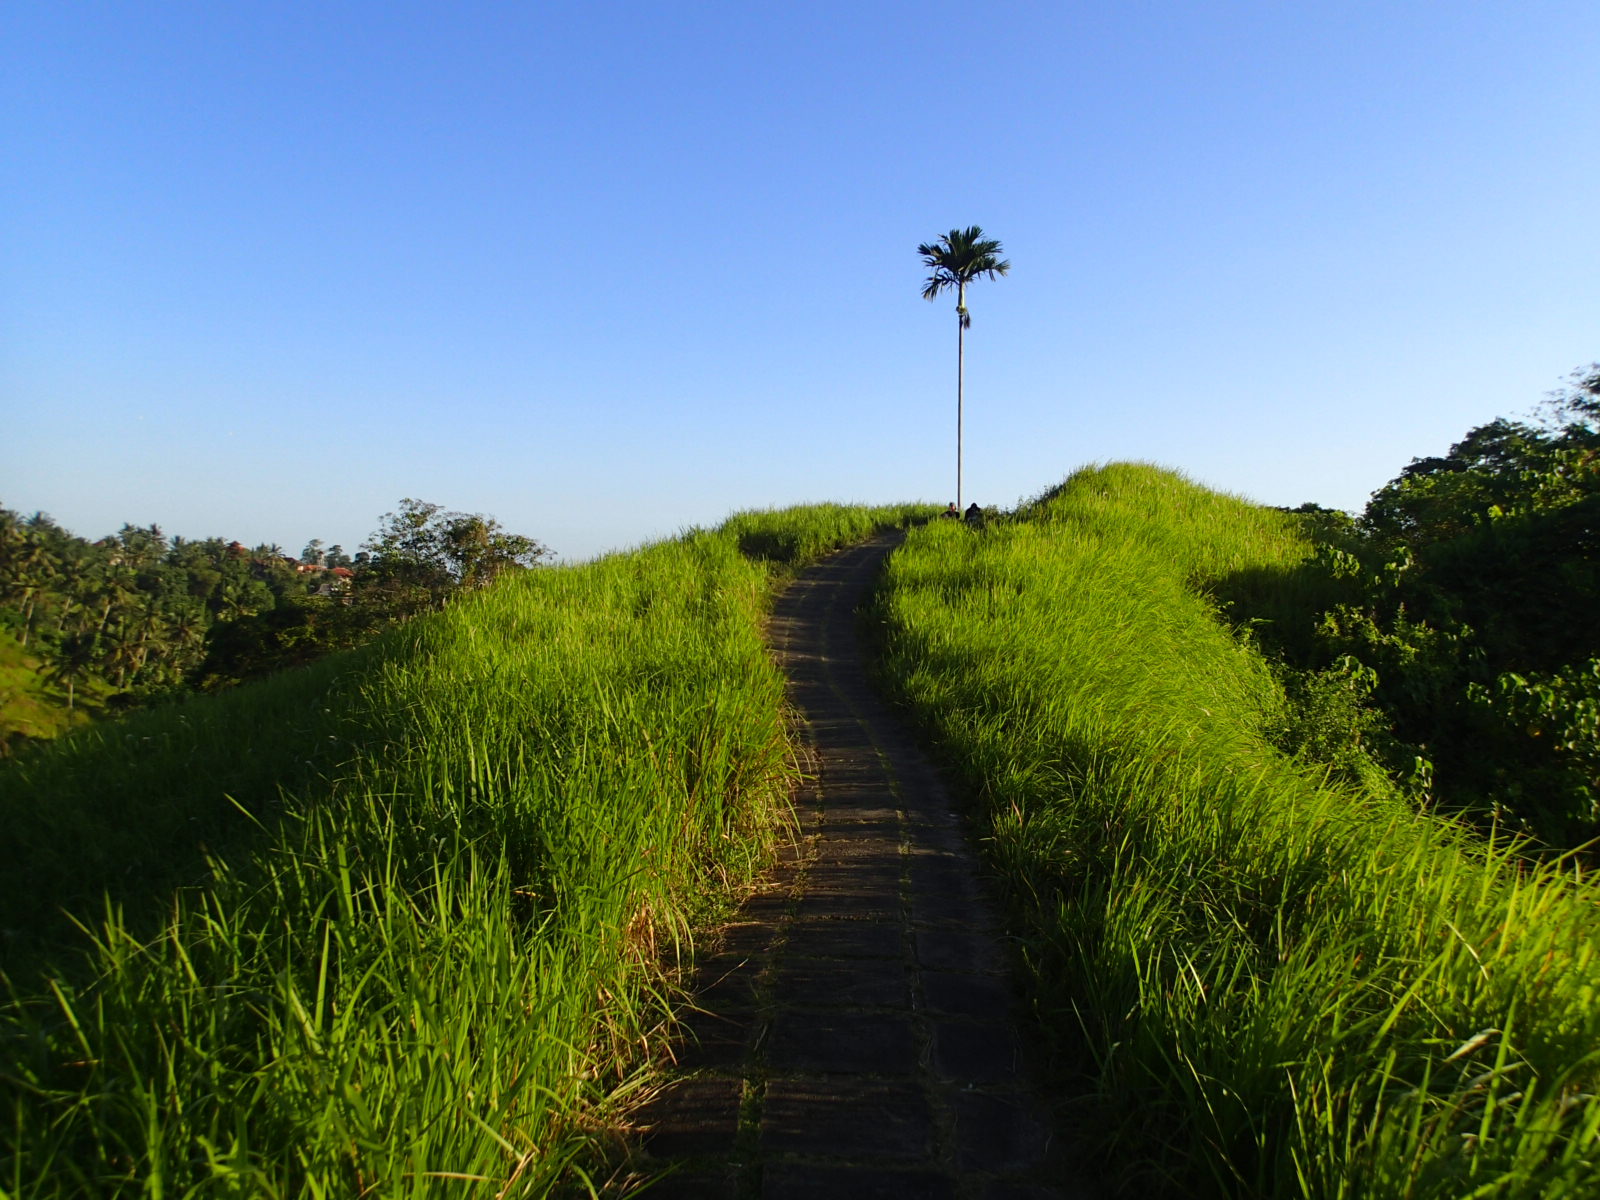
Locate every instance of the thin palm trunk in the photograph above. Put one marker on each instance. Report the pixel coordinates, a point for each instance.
(961, 375)
(961, 379)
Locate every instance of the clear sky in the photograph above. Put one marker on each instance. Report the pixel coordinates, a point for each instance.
(607, 270)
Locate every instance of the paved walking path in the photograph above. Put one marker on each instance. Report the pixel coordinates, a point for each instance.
(856, 1038)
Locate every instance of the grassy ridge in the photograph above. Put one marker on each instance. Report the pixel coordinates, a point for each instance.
(395, 924)
(1279, 986)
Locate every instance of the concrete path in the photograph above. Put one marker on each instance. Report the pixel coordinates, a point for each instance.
(856, 1037)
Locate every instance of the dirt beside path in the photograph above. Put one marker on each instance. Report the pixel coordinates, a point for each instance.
(857, 1035)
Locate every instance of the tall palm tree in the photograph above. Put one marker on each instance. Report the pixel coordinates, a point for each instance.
(955, 260)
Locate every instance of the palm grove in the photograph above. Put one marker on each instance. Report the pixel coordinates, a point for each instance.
(111, 623)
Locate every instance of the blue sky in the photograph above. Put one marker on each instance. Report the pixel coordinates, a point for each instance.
(610, 270)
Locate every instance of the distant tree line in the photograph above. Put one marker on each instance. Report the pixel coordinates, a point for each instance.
(139, 615)
(1457, 621)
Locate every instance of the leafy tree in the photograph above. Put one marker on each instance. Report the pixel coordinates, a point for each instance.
(1576, 406)
(1503, 465)
(478, 551)
(299, 631)
(406, 569)
(134, 616)
(422, 553)
(1466, 593)
(955, 260)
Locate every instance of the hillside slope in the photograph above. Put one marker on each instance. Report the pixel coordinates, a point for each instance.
(1277, 985)
(399, 921)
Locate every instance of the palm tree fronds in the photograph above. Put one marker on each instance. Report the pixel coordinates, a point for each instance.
(956, 259)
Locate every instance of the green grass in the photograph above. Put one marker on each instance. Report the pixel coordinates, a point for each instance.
(402, 923)
(30, 709)
(1273, 985)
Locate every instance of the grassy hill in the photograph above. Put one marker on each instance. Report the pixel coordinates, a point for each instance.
(1275, 981)
(400, 921)
(404, 922)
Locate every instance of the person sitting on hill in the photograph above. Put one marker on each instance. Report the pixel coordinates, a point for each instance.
(952, 512)
(974, 514)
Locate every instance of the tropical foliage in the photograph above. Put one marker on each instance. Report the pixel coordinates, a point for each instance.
(138, 615)
(1462, 605)
(956, 259)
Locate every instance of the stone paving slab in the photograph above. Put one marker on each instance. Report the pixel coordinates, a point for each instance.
(697, 1185)
(821, 985)
(854, 1034)
(801, 1182)
(845, 939)
(877, 879)
(845, 904)
(842, 1042)
(982, 1052)
(963, 994)
(713, 1041)
(698, 1116)
(998, 1132)
(875, 1121)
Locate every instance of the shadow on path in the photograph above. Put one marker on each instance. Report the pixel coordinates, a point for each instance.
(855, 1036)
